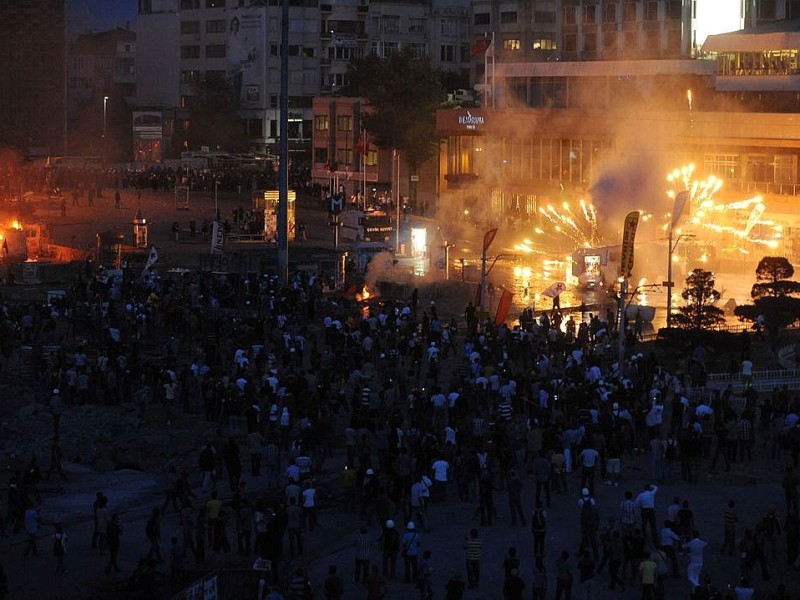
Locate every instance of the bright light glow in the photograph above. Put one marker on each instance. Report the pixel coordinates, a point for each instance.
(716, 16)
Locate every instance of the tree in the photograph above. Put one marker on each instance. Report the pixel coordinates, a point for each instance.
(403, 93)
(772, 274)
(773, 295)
(700, 296)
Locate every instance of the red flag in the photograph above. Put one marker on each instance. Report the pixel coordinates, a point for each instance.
(480, 46)
(362, 145)
(502, 307)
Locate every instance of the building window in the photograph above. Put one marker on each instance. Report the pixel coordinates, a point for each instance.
(569, 15)
(609, 40)
(724, 166)
(543, 44)
(344, 123)
(590, 42)
(190, 27)
(481, 19)
(511, 45)
(191, 76)
(416, 25)
(341, 52)
(320, 156)
(190, 4)
(215, 51)
(610, 13)
(337, 80)
(651, 11)
(508, 17)
(630, 12)
(448, 27)
(631, 41)
(674, 9)
(344, 156)
(590, 14)
(254, 127)
(215, 26)
(215, 3)
(190, 51)
(652, 41)
(321, 122)
(418, 50)
(766, 9)
(391, 24)
(371, 159)
(544, 16)
(570, 42)
(447, 53)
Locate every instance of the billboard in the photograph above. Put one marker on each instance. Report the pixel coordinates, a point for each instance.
(246, 53)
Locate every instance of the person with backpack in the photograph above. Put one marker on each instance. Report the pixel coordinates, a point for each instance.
(409, 549)
(590, 521)
(539, 528)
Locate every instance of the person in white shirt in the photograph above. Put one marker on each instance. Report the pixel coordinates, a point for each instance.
(695, 547)
(646, 502)
(589, 458)
(440, 470)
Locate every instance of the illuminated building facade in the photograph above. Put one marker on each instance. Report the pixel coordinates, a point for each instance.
(730, 104)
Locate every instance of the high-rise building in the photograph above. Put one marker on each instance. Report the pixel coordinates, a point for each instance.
(33, 71)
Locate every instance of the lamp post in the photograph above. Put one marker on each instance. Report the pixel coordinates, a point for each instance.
(105, 124)
(396, 184)
(670, 283)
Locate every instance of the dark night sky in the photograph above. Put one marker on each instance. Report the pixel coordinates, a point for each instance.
(99, 15)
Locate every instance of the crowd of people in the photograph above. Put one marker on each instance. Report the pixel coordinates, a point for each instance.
(431, 410)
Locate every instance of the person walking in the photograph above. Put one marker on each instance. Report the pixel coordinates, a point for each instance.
(542, 468)
(390, 546)
(376, 585)
(539, 529)
(616, 554)
(153, 534)
(729, 520)
(588, 457)
(667, 540)
(646, 502)
(113, 539)
(695, 547)
(539, 579)
(363, 545)
(590, 521)
(564, 577)
(586, 569)
(472, 556)
(410, 551)
(514, 490)
(334, 585)
(31, 522)
(425, 583)
(648, 570)
(59, 548)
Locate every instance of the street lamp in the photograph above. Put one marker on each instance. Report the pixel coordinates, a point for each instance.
(670, 283)
(105, 123)
(396, 182)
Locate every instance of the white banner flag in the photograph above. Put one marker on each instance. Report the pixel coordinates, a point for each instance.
(217, 238)
(151, 258)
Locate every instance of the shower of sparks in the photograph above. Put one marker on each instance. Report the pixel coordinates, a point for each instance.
(578, 226)
(740, 219)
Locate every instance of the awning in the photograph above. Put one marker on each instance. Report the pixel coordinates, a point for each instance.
(738, 41)
(606, 68)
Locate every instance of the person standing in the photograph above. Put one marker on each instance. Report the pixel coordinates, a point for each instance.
(695, 547)
(425, 584)
(648, 570)
(646, 502)
(454, 590)
(390, 545)
(586, 568)
(294, 524)
(667, 541)
(514, 586)
(590, 521)
(333, 586)
(729, 520)
(309, 505)
(563, 577)
(376, 585)
(542, 468)
(59, 548)
(113, 539)
(363, 545)
(539, 579)
(153, 534)
(100, 498)
(539, 529)
(410, 551)
(472, 556)
(589, 457)
(514, 486)
(31, 522)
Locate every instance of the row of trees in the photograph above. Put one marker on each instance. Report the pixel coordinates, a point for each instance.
(775, 297)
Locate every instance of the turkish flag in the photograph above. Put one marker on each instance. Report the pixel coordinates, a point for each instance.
(503, 307)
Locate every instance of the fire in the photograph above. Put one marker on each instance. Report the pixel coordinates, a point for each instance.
(16, 225)
(364, 294)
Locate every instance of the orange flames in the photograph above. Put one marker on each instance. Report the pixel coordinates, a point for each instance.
(364, 294)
